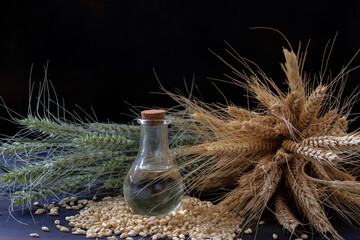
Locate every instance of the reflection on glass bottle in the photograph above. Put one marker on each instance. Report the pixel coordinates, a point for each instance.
(153, 185)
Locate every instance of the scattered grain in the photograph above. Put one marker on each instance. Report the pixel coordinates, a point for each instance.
(45, 229)
(248, 231)
(261, 222)
(64, 229)
(59, 226)
(275, 236)
(34, 235)
(50, 206)
(40, 211)
(36, 204)
(57, 222)
(304, 236)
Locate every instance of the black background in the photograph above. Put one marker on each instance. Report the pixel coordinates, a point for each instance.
(101, 54)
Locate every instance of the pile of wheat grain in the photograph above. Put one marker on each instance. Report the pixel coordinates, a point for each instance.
(194, 218)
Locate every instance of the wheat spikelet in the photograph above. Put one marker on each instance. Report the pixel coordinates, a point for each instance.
(323, 156)
(105, 141)
(52, 128)
(292, 71)
(305, 198)
(260, 130)
(333, 142)
(282, 156)
(311, 108)
(257, 196)
(240, 113)
(235, 148)
(283, 213)
(295, 102)
(321, 125)
(340, 127)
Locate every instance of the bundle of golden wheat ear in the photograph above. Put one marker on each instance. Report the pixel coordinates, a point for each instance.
(292, 150)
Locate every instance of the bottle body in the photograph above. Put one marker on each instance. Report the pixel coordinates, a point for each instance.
(153, 185)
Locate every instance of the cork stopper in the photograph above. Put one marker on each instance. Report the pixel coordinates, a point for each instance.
(153, 117)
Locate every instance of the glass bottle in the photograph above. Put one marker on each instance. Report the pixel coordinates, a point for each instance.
(153, 186)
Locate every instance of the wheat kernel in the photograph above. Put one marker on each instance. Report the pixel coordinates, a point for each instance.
(57, 222)
(304, 236)
(112, 238)
(50, 206)
(59, 227)
(275, 236)
(45, 229)
(82, 201)
(34, 235)
(53, 213)
(124, 235)
(142, 234)
(129, 238)
(54, 209)
(90, 235)
(64, 229)
(248, 231)
(36, 204)
(261, 222)
(66, 200)
(40, 211)
(80, 232)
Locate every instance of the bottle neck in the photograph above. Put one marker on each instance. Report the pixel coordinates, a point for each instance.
(153, 150)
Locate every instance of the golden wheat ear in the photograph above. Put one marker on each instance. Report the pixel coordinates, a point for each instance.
(283, 213)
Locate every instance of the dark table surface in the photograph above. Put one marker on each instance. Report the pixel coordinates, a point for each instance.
(20, 223)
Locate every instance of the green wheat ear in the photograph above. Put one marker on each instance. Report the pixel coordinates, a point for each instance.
(53, 128)
(105, 141)
(129, 131)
